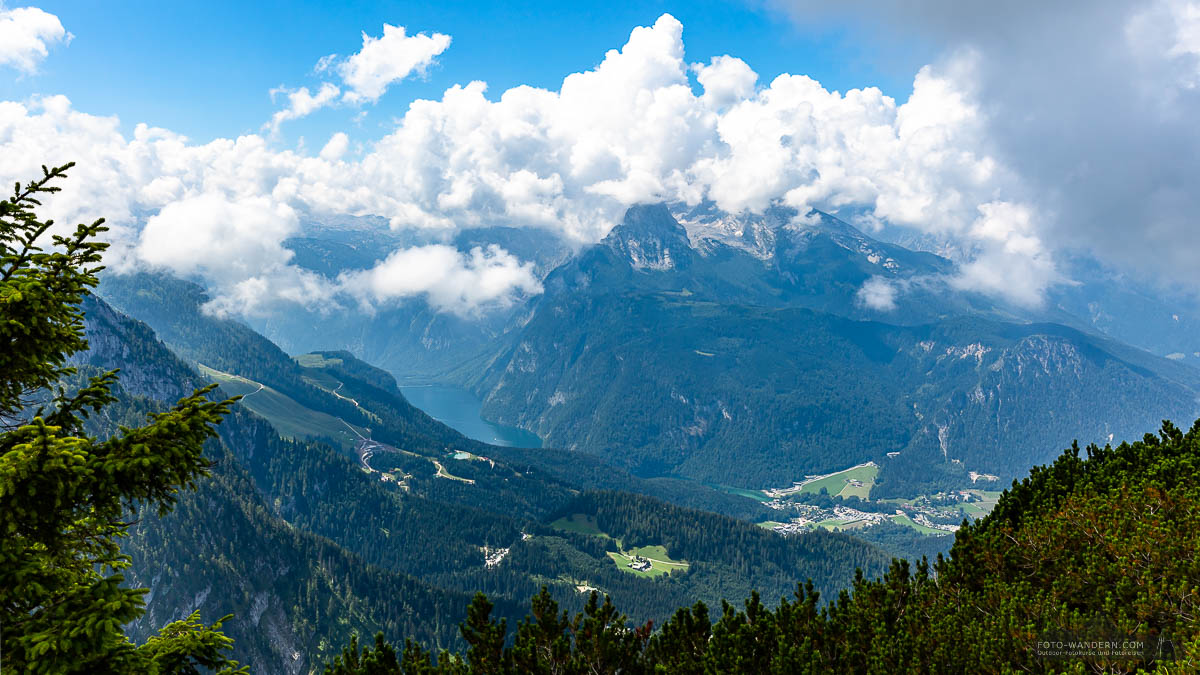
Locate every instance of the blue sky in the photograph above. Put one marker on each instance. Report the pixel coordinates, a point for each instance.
(991, 130)
(206, 69)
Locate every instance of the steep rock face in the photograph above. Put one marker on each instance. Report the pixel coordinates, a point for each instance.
(216, 557)
(113, 342)
(1018, 400)
(782, 237)
(649, 238)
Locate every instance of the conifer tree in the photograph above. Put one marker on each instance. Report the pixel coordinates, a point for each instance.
(542, 644)
(65, 497)
(484, 637)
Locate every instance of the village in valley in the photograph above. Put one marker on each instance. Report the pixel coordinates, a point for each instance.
(840, 501)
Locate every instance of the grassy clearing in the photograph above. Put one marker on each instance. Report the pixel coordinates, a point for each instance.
(657, 552)
(861, 491)
(443, 473)
(316, 361)
(756, 495)
(289, 418)
(839, 483)
(234, 385)
(905, 520)
(988, 498)
(660, 562)
(973, 509)
(769, 524)
(579, 524)
(321, 380)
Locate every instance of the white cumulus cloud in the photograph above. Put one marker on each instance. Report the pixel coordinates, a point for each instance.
(725, 80)
(366, 74)
(301, 103)
(877, 293)
(569, 160)
(1010, 260)
(449, 279)
(212, 234)
(26, 35)
(385, 60)
(335, 147)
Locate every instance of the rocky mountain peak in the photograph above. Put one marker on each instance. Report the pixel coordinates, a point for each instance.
(650, 238)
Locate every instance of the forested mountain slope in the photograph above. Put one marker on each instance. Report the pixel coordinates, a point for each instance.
(1087, 565)
(228, 549)
(669, 353)
(306, 546)
(369, 398)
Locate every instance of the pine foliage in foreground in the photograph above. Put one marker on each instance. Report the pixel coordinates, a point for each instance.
(1099, 547)
(65, 495)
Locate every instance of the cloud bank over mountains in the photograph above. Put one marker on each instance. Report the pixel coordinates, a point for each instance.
(1092, 104)
(959, 160)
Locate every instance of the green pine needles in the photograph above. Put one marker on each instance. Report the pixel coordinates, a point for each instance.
(65, 496)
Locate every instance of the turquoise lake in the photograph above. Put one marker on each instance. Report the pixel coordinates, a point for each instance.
(459, 409)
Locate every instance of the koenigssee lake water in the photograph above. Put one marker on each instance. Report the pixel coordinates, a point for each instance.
(459, 408)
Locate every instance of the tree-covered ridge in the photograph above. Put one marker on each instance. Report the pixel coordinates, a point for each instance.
(295, 596)
(266, 536)
(249, 541)
(173, 308)
(275, 503)
(1097, 547)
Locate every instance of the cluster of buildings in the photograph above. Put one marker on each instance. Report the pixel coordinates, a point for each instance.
(640, 564)
(848, 514)
(923, 519)
(961, 496)
(810, 516)
(493, 556)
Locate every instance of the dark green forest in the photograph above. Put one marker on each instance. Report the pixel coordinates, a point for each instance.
(1098, 547)
(312, 549)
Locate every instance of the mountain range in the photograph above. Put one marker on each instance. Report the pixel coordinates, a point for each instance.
(741, 352)
(687, 360)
